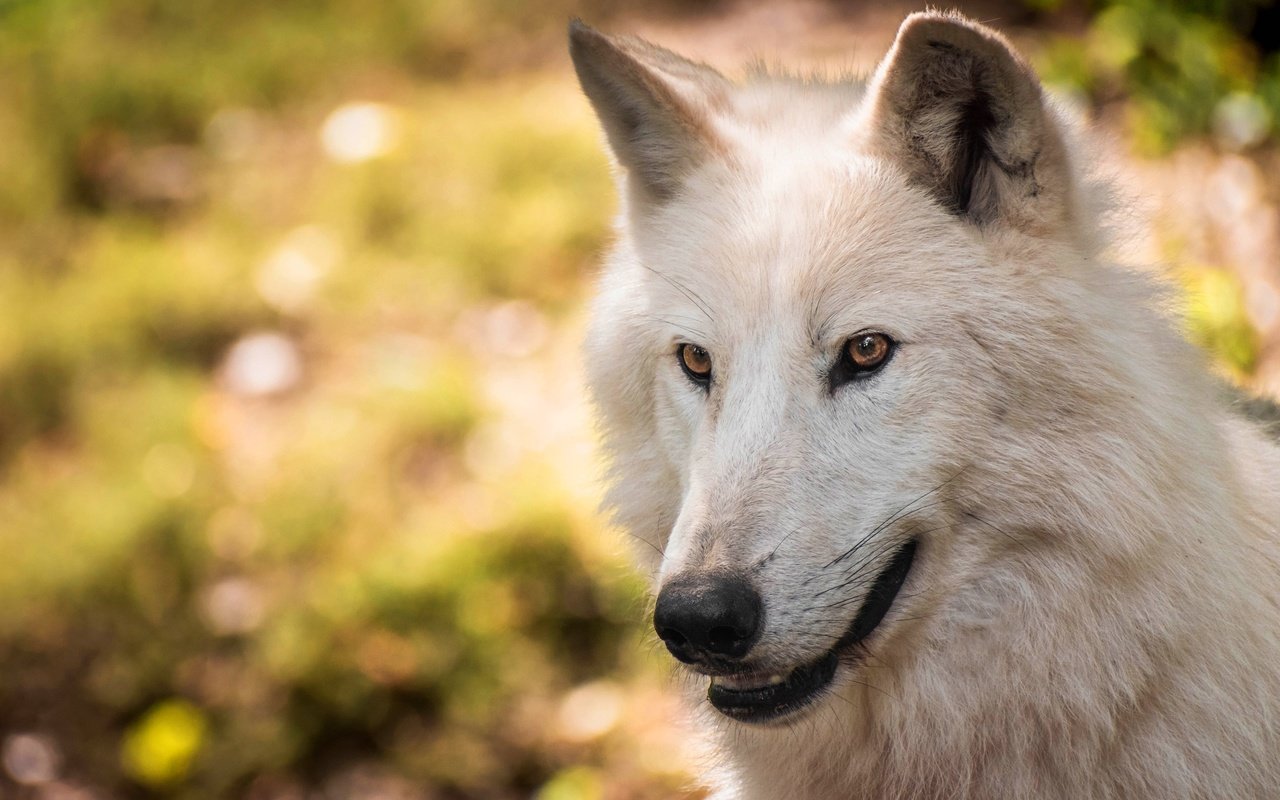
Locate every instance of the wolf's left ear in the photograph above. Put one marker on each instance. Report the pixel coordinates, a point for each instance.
(964, 115)
(655, 106)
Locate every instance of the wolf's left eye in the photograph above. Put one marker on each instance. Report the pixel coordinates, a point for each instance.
(861, 356)
(696, 363)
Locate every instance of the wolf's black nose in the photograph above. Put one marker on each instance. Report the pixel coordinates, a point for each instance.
(701, 616)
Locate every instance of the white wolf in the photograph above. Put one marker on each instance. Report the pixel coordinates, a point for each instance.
(946, 506)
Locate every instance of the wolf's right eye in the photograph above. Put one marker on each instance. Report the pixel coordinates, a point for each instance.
(696, 363)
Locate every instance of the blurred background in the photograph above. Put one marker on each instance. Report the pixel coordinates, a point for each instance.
(297, 483)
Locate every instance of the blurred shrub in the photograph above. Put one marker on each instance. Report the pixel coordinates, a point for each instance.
(1187, 68)
(267, 527)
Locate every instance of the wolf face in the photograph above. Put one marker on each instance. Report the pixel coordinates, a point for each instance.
(813, 299)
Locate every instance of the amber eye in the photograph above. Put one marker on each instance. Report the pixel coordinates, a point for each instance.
(868, 350)
(696, 363)
(862, 356)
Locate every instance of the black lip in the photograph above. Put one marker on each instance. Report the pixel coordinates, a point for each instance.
(807, 682)
(800, 688)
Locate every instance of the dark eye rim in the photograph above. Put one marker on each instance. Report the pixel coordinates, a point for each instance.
(701, 379)
(846, 370)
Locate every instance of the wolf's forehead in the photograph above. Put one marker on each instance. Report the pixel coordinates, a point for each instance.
(793, 239)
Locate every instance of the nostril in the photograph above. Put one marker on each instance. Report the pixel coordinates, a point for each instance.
(671, 636)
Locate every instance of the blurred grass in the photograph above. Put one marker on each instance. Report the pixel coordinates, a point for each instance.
(294, 495)
(265, 529)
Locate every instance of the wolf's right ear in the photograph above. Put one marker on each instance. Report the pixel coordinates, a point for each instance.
(654, 105)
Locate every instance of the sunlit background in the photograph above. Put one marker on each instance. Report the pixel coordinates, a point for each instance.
(297, 483)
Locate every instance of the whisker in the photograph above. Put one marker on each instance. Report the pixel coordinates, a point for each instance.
(684, 323)
(859, 569)
(689, 295)
(1026, 548)
(640, 538)
(895, 517)
(873, 688)
(774, 551)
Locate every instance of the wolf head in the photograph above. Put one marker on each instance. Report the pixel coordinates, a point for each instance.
(845, 351)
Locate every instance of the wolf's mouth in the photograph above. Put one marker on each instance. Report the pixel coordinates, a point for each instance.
(765, 697)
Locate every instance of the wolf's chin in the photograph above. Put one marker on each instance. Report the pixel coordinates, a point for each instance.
(763, 698)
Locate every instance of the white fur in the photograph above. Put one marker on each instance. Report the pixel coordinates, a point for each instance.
(1093, 609)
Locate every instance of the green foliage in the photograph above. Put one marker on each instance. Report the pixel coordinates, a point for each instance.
(1186, 69)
